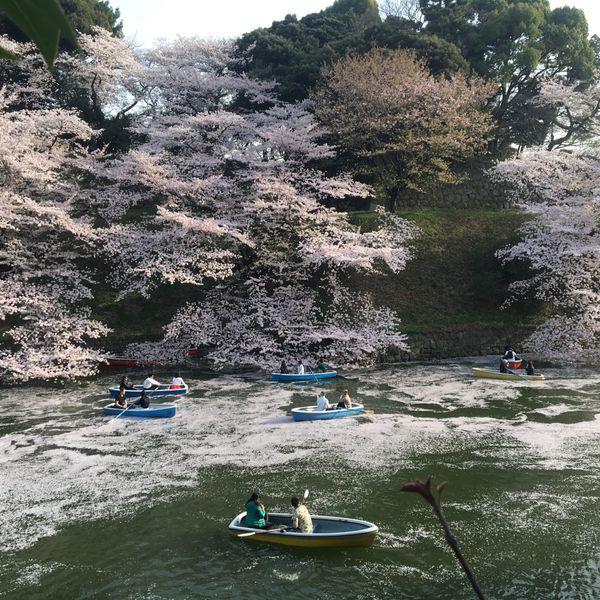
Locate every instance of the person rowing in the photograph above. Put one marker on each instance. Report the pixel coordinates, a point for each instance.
(301, 519)
(508, 357)
(322, 402)
(121, 399)
(150, 383)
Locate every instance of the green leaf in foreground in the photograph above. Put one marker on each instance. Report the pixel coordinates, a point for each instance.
(42, 21)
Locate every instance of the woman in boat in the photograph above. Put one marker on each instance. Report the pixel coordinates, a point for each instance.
(301, 520)
(300, 368)
(256, 514)
(344, 401)
(177, 382)
(121, 399)
(125, 383)
(283, 369)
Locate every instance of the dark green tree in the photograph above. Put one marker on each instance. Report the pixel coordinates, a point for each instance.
(83, 15)
(293, 51)
(516, 43)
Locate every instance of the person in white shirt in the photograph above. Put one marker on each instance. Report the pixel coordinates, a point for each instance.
(150, 383)
(177, 382)
(322, 402)
(300, 368)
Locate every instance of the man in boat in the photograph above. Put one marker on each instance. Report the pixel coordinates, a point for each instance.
(283, 369)
(508, 356)
(300, 368)
(143, 400)
(322, 402)
(301, 520)
(177, 382)
(150, 383)
(322, 366)
(256, 514)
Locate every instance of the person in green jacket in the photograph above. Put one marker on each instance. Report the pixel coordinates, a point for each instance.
(256, 514)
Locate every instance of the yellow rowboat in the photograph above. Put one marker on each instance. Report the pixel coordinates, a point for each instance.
(489, 374)
(328, 532)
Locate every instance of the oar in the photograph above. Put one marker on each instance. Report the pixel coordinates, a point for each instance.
(124, 410)
(282, 528)
(517, 374)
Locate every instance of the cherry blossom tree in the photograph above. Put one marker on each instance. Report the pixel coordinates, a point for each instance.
(561, 243)
(220, 194)
(403, 127)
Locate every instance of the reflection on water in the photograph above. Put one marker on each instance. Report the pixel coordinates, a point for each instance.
(128, 508)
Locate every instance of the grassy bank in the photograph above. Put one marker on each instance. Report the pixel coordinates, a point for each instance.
(455, 284)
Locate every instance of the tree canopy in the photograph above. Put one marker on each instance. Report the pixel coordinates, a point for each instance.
(516, 43)
(402, 127)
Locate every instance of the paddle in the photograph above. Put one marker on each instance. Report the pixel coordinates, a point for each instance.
(124, 410)
(282, 528)
(517, 374)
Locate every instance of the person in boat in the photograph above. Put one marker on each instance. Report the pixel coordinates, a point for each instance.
(256, 514)
(529, 368)
(121, 399)
(508, 356)
(301, 519)
(344, 401)
(125, 383)
(177, 382)
(322, 402)
(150, 383)
(300, 369)
(143, 401)
(322, 366)
(283, 369)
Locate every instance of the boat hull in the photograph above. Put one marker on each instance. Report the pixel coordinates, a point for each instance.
(489, 374)
(125, 362)
(310, 413)
(163, 391)
(162, 411)
(330, 532)
(287, 377)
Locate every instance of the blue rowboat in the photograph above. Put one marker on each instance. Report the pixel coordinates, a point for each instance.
(328, 532)
(283, 377)
(163, 390)
(310, 413)
(158, 411)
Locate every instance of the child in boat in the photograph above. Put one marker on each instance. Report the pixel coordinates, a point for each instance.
(301, 519)
(344, 401)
